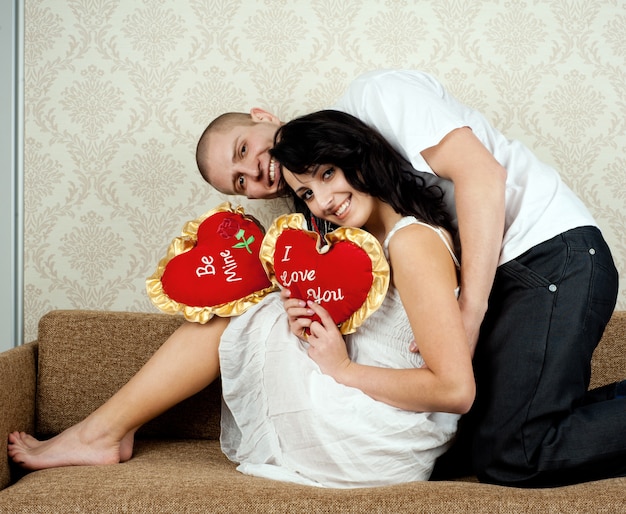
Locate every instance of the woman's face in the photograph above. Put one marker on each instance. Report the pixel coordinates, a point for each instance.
(329, 196)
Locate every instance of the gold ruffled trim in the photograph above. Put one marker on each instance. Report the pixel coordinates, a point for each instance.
(380, 266)
(183, 244)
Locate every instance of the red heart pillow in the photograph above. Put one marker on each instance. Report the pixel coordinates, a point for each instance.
(348, 276)
(213, 268)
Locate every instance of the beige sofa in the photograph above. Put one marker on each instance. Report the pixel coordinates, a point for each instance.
(82, 357)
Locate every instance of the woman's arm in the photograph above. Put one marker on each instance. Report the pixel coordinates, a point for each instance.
(425, 277)
(479, 184)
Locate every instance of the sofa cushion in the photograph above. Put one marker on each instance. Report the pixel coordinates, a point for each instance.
(85, 357)
(194, 476)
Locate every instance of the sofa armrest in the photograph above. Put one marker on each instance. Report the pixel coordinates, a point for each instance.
(18, 378)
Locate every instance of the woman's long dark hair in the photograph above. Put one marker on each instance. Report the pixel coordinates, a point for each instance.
(369, 163)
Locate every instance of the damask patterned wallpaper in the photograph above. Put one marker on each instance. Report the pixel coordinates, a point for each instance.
(117, 94)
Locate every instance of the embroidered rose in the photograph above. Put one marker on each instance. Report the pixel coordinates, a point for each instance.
(228, 228)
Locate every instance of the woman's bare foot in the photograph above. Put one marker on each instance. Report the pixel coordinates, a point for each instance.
(79, 445)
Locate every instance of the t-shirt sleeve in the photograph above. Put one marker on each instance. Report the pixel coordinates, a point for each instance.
(409, 108)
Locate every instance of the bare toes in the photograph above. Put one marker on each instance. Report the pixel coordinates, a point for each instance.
(29, 440)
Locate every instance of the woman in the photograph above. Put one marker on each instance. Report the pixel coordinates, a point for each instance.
(365, 411)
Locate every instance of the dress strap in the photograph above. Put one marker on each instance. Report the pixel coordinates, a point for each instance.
(411, 220)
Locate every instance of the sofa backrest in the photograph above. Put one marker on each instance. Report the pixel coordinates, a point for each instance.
(86, 356)
(609, 360)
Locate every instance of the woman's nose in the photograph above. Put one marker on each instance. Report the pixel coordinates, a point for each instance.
(324, 200)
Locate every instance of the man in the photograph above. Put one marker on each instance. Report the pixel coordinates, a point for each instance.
(538, 282)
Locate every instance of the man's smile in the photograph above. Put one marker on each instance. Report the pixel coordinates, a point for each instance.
(273, 169)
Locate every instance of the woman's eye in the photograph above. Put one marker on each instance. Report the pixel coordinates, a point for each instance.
(307, 195)
(241, 182)
(328, 173)
(244, 149)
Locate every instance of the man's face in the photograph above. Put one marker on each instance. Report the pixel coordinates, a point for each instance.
(239, 163)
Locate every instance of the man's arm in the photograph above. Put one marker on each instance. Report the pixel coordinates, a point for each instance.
(479, 182)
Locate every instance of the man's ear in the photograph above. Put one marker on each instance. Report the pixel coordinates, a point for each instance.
(259, 114)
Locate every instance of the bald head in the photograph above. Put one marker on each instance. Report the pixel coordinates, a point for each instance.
(221, 125)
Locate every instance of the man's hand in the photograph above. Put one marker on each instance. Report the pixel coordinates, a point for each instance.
(472, 320)
(479, 185)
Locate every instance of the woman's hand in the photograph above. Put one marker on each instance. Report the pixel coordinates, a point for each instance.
(298, 314)
(326, 344)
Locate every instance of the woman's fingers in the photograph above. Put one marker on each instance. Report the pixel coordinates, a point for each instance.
(298, 314)
(325, 319)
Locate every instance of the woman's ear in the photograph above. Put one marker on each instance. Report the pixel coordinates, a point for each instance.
(259, 115)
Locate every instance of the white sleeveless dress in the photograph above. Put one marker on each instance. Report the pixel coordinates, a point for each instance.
(285, 420)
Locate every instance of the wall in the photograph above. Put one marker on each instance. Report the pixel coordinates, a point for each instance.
(117, 94)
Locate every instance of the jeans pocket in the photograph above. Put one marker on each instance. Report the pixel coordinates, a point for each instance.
(603, 290)
(524, 275)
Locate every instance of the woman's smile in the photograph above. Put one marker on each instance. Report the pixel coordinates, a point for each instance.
(343, 207)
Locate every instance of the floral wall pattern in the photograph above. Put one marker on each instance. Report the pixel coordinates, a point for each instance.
(117, 93)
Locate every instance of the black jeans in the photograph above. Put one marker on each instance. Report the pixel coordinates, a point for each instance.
(534, 422)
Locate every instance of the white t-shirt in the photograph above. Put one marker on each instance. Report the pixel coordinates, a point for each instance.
(414, 112)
